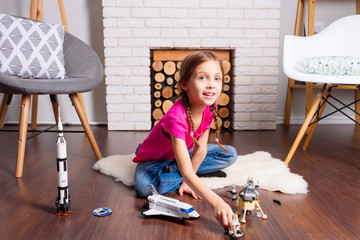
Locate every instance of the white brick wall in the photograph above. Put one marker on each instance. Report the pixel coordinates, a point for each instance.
(248, 27)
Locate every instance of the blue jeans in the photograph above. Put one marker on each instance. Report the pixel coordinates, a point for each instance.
(151, 172)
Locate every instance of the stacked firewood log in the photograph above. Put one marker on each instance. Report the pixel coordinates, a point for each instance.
(164, 82)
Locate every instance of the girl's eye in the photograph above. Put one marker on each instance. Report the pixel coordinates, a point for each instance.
(202, 77)
(218, 79)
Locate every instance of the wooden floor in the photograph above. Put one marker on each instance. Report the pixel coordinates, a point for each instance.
(331, 210)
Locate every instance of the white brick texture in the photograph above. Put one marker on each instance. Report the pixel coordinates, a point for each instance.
(248, 28)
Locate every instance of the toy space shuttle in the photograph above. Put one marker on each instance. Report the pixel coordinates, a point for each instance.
(165, 206)
(63, 200)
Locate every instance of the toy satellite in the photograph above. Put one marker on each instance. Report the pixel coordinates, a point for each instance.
(165, 206)
(249, 200)
(63, 200)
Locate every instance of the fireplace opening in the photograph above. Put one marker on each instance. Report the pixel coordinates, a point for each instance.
(165, 74)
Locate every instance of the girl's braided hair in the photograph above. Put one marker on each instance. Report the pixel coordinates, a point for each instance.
(186, 71)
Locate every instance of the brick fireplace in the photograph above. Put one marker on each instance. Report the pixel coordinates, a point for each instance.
(249, 28)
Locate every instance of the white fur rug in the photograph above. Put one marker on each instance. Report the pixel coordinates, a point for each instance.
(269, 173)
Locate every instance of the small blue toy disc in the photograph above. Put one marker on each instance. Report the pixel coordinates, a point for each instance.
(102, 212)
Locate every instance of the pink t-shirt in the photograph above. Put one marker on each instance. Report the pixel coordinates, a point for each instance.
(158, 147)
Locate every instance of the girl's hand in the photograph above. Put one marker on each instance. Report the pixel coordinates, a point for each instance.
(184, 188)
(224, 215)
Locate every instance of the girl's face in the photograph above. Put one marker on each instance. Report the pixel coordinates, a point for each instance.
(205, 84)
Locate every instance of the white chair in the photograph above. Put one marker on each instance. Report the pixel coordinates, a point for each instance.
(341, 38)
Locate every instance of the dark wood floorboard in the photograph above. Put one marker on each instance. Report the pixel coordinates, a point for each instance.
(330, 210)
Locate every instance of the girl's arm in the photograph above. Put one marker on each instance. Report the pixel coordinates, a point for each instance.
(223, 212)
(197, 158)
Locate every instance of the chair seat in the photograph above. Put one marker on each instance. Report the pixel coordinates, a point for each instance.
(298, 74)
(16, 85)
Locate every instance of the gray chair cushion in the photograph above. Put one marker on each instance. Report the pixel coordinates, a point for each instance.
(31, 48)
(84, 72)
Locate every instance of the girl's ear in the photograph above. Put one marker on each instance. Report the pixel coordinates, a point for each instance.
(184, 86)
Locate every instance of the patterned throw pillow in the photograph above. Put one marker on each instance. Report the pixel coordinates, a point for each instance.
(332, 65)
(31, 49)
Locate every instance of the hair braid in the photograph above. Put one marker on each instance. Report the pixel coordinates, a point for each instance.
(217, 130)
(196, 143)
(189, 116)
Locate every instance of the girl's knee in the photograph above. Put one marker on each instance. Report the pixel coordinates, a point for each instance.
(143, 177)
(232, 154)
(142, 190)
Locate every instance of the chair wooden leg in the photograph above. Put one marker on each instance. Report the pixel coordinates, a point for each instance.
(357, 105)
(33, 9)
(34, 108)
(311, 17)
(289, 100)
(308, 97)
(81, 98)
(299, 17)
(6, 100)
(313, 126)
(304, 127)
(63, 15)
(79, 109)
(23, 125)
(291, 82)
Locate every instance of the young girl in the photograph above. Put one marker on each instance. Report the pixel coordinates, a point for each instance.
(176, 148)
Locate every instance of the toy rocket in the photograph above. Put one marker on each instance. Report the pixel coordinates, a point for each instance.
(63, 199)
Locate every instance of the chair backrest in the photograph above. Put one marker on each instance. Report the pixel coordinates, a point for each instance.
(340, 38)
(80, 59)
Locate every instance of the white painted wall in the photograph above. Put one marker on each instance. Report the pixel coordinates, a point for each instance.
(85, 21)
(250, 28)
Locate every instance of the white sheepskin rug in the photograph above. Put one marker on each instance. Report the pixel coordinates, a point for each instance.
(269, 173)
